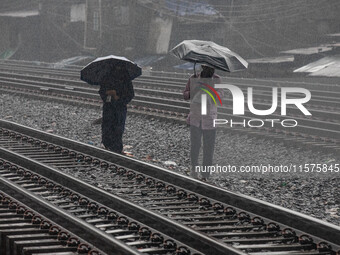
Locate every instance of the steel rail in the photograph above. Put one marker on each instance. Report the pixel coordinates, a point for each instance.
(22, 228)
(134, 234)
(283, 247)
(156, 107)
(183, 233)
(40, 82)
(314, 142)
(307, 126)
(313, 82)
(307, 224)
(161, 111)
(319, 96)
(84, 230)
(166, 80)
(179, 84)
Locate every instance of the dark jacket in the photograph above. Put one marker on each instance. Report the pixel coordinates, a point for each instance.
(124, 90)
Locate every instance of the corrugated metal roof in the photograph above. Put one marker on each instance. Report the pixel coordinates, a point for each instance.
(149, 60)
(271, 60)
(336, 44)
(327, 66)
(308, 51)
(20, 14)
(335, 34)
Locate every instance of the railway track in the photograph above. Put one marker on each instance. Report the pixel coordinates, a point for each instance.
(171, 87)
(25, 231)
(113, 232)
(107, 228)
(160, 95)
(199, 215)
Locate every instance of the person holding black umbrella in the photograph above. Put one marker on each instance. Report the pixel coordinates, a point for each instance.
(114, 75)
(116, 92)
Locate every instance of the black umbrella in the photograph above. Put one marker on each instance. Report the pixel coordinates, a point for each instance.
(211, 54)
(109, 66)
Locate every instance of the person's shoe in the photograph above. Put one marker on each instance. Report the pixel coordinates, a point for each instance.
(113, 150)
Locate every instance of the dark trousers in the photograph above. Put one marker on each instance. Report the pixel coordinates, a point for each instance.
(209, 136)
(113, 126)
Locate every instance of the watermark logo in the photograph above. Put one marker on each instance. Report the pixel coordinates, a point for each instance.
(290, 97)
(238, 100)
(204, 96)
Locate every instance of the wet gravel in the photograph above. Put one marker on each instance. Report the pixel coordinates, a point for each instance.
(167, 144)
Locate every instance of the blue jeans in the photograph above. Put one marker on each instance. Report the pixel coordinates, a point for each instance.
(113, 126)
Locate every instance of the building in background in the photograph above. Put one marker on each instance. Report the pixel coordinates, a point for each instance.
(51, 30)
(19, 27)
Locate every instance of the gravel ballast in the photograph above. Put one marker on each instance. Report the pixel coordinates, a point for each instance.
(168, 145)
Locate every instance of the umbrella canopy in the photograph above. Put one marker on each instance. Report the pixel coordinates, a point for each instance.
(211, 54)
(107, 66)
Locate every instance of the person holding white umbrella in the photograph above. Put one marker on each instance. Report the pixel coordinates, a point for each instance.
(201, 126)
(211, 56)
